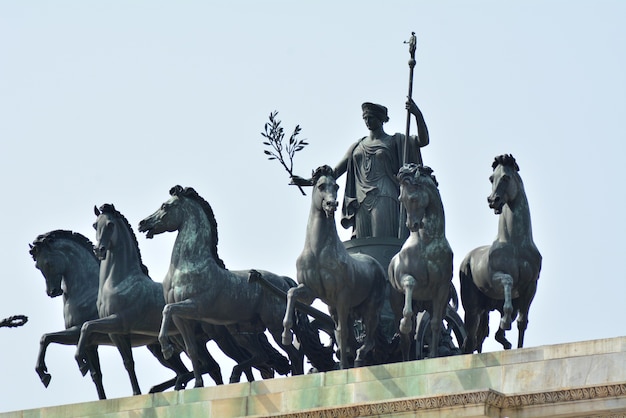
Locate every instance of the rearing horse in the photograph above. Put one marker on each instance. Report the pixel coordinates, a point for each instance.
(422, 270)
(351, 285)
(502, 275)
(198, 287)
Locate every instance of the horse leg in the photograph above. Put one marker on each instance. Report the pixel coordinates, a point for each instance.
(110, 324)
(175, 364)
(406, 323)
(371, 318)
(186, 329)
(476, 316)
(257, 354)
(229, 346)
(342, 334)
(524, 306)
(66, 337)
(122, 342)
(506, 281)
(166, 322)
(439, 304)
(396, 300)
(209, 365)
(96, 373)
(371, 325)
(501, 338)
(300, 293)
(483, 330)
(295, 355)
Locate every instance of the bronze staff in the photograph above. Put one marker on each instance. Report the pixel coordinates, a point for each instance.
(412, 47)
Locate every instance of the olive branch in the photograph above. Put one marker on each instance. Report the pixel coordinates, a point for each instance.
(275, 134)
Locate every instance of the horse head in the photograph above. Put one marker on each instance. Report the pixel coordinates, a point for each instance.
(105, 230)
(51, 263)
(325, 190)
(415, 182)
(181, 207)
(504, 182)
(168, 217)
(54, 255)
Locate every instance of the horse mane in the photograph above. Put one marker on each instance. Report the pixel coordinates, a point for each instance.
(49, 237)
(109, 208)
(324, 170)
(413, 172)
(505, 160)
(189, 192)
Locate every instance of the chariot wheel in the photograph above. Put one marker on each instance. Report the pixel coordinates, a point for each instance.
(453, 334)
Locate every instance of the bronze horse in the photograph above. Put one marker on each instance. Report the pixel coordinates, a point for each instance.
(501, 276)
(353, 286)
(199, 288)
(129, 302)
(421, 273)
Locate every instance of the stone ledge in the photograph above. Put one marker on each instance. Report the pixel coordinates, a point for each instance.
(584, 379)
(486, 400)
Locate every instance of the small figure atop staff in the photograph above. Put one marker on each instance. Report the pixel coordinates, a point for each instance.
(412, 44)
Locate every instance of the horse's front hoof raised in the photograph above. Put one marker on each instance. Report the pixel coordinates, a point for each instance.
(43, 375)
(45, 379)
(82, 365)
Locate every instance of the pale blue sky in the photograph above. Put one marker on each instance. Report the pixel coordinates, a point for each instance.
(115, 102)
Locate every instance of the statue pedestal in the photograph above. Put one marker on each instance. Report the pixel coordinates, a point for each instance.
(382, 249)
(578, 379)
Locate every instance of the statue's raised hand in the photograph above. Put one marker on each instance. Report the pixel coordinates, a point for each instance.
(411, 106)
(300, 181)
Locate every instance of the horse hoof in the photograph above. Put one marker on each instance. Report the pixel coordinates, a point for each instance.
(45, 379)
(234, 378)
(84, 368)
(359, 363)
(287, 338)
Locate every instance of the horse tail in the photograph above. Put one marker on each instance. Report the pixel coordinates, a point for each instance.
(454, 297)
